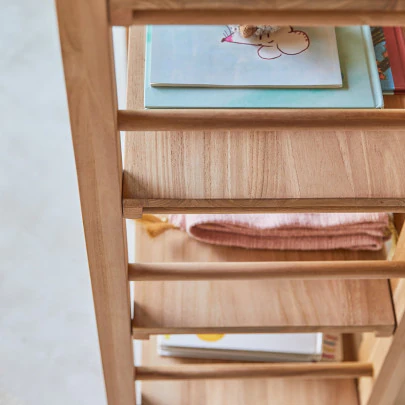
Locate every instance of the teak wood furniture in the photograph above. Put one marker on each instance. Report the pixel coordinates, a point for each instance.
(233, 161)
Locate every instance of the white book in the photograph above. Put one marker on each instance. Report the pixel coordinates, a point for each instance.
(218, 56)
(277, 347)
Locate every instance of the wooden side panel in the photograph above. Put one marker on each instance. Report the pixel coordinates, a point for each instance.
(87, 55)
(387, 354)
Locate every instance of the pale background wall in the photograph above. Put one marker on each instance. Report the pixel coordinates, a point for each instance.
(48, 341)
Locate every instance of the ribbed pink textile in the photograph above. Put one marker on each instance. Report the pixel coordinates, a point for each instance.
(358, 231)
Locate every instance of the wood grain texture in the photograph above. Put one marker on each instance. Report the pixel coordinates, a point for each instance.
(395, 101)
(387, 354)
(290, 5)
(121, 17)
(356, 270)
(254, 305)
(254, 370)
(399, 220)
(400, 400)
(327, 168)
(300, 12)
(324, 165)
(133, 208)
(89, 71)
(280, 391)
(278, 17)
(260, 119)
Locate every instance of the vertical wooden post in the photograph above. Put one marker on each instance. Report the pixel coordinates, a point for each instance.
(386, 354)
(86, 41)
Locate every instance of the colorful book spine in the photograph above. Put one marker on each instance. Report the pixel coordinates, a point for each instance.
(389, 47)
(331, 347)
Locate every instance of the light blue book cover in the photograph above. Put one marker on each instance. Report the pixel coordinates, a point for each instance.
(361, 84)
(211, 56)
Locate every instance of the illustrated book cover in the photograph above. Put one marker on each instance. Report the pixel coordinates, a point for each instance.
(361, 84)
(219, 56)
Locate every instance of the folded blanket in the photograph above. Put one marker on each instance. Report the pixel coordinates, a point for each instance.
(357, 231)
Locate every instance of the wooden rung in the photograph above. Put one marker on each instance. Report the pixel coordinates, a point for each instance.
(267, 391)
(361, 269)
(261, 16)
(260, 119)
(133, 209)
(255, 370)
(270, 5)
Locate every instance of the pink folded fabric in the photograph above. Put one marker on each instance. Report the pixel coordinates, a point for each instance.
(357, 231)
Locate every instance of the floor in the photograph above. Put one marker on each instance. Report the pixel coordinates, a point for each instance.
(48, 340)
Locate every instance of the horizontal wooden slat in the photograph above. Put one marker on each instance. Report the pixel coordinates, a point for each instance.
(133, 208)
(288, 5)
(301, 12)
(255, 370)
(305, 18)
(370, 269)
(260, 119)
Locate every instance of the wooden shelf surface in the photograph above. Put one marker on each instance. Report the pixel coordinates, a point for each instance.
(216, 170)
(254, 305)
(240, 392)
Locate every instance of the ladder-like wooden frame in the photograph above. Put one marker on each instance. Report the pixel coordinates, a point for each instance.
(85, 31)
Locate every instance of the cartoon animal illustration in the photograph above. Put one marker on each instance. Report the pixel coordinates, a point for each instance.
(271, 45)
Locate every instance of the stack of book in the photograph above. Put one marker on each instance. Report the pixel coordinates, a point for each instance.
(295, 67)
(276, 347)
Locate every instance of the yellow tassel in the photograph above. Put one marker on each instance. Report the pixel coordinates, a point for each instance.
(155, 225)
(394, 237)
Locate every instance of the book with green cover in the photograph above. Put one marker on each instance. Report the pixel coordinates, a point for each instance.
(361, 84)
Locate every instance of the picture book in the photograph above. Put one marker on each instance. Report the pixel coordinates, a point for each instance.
(361, 84)
(389, 47)
(288, 347)
(219, 56)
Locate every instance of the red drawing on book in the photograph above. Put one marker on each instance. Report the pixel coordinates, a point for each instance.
(285, 41)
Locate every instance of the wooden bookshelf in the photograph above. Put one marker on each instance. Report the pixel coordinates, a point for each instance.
(215, 161)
